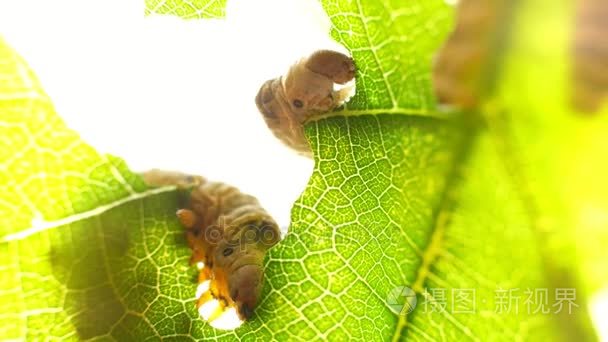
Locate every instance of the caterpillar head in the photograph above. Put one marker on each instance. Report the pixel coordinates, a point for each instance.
(241, 255)
(309, 84)
(307, 89)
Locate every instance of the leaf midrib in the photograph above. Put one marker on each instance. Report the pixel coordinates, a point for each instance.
(440, 223)
(47, 225)
(443, 115)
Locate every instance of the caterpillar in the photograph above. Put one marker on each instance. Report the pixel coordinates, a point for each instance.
(287, 102)
(462, 64)
(229, 233)
(480, 34)
(590, 53)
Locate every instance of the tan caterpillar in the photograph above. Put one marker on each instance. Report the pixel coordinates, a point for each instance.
(460, 64)
(590, 52)
(287, 102)
(229, 233)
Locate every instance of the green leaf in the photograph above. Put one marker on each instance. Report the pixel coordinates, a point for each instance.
(392, 43)
(193, 9)
(86, 250)
(376, 217)
(405, 197)
(562, 169)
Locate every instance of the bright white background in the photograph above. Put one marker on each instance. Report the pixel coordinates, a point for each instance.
(166, 93)
(172, 94)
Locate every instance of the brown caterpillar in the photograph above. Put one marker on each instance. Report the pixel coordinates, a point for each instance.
(229, 232)
(590, 52)
(481, 27)
(287, 102)
(462, 63)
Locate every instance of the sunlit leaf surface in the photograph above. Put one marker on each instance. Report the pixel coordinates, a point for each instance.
(458, 207)
(190, 9)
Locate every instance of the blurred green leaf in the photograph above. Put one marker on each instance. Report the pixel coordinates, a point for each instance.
(400, 198)
(555, 151)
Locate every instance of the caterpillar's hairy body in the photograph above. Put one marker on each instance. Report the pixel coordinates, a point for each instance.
(229, 232)
(289, 101)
